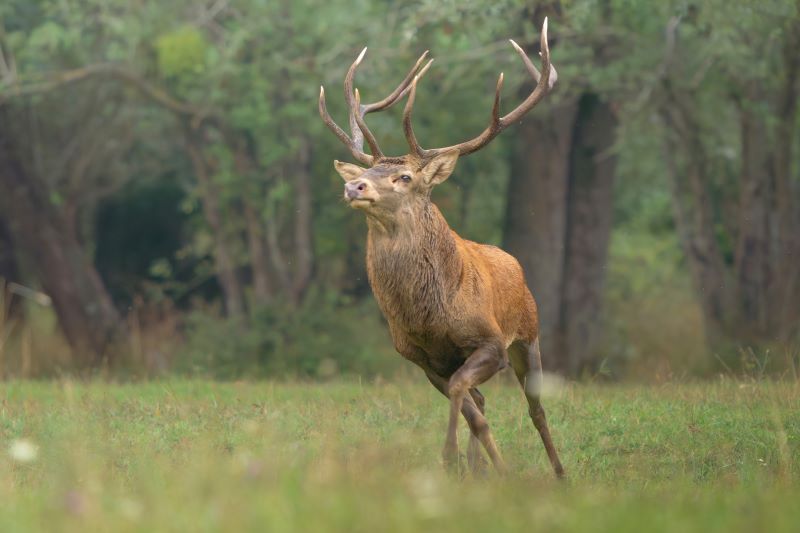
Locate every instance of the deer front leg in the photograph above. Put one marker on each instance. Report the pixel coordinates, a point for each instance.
(484, 362)
(475, 459)
(472, 410)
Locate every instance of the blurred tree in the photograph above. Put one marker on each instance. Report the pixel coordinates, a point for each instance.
(63, 147)
(8, 261)
(252, 160)
(728, 100)
(45, 230)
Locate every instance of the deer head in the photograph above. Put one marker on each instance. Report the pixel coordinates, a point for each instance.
(387, 184)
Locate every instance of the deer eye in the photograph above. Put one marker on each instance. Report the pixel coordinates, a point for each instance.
(405, 178)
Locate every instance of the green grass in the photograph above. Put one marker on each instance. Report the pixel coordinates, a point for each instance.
(204, 456)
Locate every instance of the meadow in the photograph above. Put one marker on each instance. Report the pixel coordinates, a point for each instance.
(184, 455)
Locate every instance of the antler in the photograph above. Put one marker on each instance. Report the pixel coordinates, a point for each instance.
(358, 128)
(544, 82)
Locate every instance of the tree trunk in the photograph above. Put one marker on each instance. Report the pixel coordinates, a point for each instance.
(303, 239)
(694, 218)
(752, 299)
(8, 263)
(787, 189)
(259, 264)
(558, 223)
(9, 272)
(535, 214)
(766, 291)
(753, 261)
(84, 308)
(223, 257)
(588, 230)
(755, 298)
(263, 289)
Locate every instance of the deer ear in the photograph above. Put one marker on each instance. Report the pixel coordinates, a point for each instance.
(440, 168)
(348, 171)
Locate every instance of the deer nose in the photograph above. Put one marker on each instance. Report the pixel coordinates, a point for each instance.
(353, 189)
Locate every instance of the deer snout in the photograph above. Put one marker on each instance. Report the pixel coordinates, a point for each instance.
(354, 189)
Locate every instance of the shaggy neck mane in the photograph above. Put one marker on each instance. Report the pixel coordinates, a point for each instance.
(413, 263)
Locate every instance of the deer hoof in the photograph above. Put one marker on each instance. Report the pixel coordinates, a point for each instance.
(452, 460)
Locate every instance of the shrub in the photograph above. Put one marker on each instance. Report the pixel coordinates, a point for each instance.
(327, 335)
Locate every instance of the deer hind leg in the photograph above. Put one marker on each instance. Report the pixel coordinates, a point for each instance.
(526, 359)
(484, 362)
(474, 403)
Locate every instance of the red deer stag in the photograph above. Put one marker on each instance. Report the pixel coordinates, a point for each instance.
(458, 309)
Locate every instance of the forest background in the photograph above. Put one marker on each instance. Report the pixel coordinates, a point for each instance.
(168, 201)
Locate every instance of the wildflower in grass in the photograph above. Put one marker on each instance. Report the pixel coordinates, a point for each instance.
(75, 502)
(427, 491)
(130, 509)
(23, 451)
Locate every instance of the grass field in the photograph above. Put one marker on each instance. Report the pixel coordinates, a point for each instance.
(344, 456)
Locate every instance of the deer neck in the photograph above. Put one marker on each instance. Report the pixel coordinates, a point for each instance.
(413, 264)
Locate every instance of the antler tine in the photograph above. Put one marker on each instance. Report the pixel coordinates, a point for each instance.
(339, 132)
(544, 82)
(407, 127)
(358, 138)
(371, 141)
(532, 70)
(401, 89)
(419, 75)
(358, 126)
(496, 106)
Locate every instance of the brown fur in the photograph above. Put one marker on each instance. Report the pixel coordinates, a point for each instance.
(454, 307)
(446, 294)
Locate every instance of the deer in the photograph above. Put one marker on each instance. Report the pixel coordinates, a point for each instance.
(459, 310)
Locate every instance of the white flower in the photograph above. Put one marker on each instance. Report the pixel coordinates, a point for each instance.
(427, 492)
(131, 509)
(23, 451)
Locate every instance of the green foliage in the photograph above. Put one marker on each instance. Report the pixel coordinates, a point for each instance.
(654, 326)
(182, 51)
(326, 336)
(140, 233)
(47, 37)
